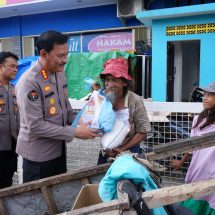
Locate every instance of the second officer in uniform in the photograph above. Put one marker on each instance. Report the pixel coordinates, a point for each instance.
(9, 118)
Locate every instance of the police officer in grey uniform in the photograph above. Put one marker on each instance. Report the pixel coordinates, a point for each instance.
(9, 118)
(45, 112)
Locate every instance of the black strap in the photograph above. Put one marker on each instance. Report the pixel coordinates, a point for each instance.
(141, 208)
(134, 194)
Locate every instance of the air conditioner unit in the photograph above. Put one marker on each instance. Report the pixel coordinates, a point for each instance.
(129, 8)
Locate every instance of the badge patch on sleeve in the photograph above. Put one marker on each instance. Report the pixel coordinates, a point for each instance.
(33, 95)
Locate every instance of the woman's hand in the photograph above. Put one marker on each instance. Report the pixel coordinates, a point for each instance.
(110, 153)
(113, 152)
(177, 164)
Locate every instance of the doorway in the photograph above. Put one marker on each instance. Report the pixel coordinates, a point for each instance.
(183, 69)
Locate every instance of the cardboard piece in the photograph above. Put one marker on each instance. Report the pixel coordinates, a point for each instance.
(87, 196)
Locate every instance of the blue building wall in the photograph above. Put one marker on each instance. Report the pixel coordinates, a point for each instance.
(159, 51)
(160, 4)
(91, 18)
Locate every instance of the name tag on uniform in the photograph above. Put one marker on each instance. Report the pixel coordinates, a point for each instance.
(49, 94)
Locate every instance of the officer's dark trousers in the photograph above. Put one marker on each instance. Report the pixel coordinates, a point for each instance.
(8, 165)
(37, 170)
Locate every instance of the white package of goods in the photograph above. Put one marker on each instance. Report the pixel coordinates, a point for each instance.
(92, 110)
(116, 137)
(99, 111)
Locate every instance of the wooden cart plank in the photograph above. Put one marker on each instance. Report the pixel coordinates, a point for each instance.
(155, 198)
(47, 194)
(102, 207)
(182, 146)
(85, 181)
(54, 180)
(3, 209)
(117, 212)
(170, 195)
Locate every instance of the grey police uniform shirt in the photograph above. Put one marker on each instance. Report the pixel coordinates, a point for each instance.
(45, 114)
(9, 116)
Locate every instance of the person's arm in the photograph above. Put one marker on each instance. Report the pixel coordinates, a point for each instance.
(141, 127)
(32, 112)
(135, 140)
(83, 132)
(177, 164)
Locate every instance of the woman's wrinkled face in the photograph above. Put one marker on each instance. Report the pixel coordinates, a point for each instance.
(209, 100)
(113, 87)
(114, 84)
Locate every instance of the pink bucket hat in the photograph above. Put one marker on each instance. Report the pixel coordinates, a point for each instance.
(118, 68)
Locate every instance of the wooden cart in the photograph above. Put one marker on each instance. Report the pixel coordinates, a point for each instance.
(56, 195)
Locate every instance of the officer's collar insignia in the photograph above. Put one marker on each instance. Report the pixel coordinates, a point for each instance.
(33, 95)
(2, 101)
(47, 88)
(52, 110)
(44, 74)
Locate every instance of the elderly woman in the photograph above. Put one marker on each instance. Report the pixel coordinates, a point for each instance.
(127, 105)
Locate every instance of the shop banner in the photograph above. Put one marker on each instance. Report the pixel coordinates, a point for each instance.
(9, 2)
(74, 43)
(117, 41)
(18, 1)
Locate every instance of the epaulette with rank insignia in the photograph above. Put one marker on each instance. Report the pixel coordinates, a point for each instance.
(44, 74)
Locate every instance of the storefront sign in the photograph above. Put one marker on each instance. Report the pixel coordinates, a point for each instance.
(121, 41)
(74, 43)
(117, 41)
(9, 2)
